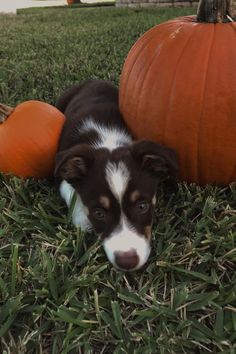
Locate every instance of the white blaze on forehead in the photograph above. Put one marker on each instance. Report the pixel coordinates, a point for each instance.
(124, 239)
(109, 137)
(117, 176)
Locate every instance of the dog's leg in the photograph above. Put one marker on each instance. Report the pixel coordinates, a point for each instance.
(80, 212)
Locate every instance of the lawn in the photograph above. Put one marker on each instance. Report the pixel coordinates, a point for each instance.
(58, 293)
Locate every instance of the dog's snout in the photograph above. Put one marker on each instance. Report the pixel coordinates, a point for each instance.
(127, 260)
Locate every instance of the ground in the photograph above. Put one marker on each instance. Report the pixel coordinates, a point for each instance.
(58, 292)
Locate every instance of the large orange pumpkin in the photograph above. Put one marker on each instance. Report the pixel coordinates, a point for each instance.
(178, 87)
(29, 136)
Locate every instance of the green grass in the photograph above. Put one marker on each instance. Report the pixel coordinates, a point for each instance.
(68, 7)
(58, 293)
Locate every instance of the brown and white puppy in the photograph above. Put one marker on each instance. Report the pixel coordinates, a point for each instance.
(114, 178)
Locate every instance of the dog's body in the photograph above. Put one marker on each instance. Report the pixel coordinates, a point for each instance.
(114, 178)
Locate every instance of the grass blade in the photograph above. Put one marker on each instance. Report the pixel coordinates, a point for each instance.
(118, 320)
(15, 248)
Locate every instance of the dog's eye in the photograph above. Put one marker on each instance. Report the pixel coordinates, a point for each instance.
(143, 207)
(99, 213)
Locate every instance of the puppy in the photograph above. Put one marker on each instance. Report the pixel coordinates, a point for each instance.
(115, 180)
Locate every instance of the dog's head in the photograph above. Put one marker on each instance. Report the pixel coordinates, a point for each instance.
(118, 189)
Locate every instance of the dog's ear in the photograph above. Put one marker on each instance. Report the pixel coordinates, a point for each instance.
(158, 159)
(73, 164)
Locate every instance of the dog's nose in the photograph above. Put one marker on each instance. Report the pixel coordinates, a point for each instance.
(126, 260)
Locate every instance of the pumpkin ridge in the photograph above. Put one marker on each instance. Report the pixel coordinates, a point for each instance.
(148, 42)
(233, 176)
(227, 34)
(147, 70)
(173, 80)
(232, 25)
(199, 177)
(148, 39)
(130, 69)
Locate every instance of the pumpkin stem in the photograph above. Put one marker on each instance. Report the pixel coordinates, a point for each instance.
(5, 111)
(215, 11)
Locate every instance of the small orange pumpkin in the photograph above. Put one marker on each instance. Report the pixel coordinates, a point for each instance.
(178, 87)
(29, 136)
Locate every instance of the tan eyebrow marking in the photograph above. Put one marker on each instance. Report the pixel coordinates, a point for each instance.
(105, 201)
(134, 196)
(148, 232)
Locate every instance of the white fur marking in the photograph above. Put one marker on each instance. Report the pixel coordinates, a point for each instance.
(154, 200)
(125, 239)
(80, 212)
(117, 176)
(109, 137)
